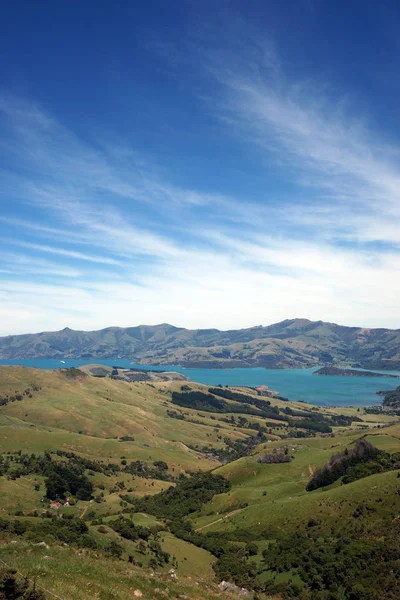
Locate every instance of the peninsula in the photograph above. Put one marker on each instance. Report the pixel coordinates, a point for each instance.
(351, 373)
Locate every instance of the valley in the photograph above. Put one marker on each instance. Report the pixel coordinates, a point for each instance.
(177, 485)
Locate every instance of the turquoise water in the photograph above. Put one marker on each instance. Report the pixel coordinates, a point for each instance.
(295, 384)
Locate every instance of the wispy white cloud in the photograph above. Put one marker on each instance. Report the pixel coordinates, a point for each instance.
(106, 226)
(69, 253)
(41, 229)
(206, 259)
(206, 289)
(351, 171)
(31, 265)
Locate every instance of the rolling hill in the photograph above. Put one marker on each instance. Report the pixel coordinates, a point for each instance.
(165, 488)
(295, 343)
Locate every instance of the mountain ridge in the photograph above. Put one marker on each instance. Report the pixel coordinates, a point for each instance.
(292, 343)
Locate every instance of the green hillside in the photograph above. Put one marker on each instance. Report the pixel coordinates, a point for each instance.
(276, 493)
(268, 532)
(175, 486)
(289, 344)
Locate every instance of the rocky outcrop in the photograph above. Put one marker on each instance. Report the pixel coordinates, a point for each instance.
(227, 586)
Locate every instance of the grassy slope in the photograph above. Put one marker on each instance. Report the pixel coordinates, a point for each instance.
(103, 410)
(88, 414)
(79, 575)
(20, 494)
(276, 492)
(51, 420)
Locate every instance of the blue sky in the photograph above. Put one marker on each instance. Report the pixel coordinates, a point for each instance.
(207, 164)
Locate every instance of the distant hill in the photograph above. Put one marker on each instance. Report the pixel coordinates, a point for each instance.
(391, 398)
(129, 375)
(337, 371)
(294, 343)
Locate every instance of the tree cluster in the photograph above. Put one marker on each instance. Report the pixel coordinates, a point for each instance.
(141, 468)
(185, 498)
(331, 568)
(340, 463)
(197, 400)
(18, 396)
(239, 397)
(278, 455)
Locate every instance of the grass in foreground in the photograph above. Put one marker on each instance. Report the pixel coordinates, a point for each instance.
(80, 574)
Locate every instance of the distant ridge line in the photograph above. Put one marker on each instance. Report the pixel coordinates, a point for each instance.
(297, 320)
(289, 344)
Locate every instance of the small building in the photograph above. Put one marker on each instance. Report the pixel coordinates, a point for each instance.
(55, 505)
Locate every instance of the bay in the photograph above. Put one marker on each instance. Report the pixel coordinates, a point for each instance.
(294, 384)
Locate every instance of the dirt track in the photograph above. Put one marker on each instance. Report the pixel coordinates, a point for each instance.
(234, 512)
